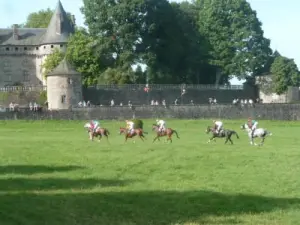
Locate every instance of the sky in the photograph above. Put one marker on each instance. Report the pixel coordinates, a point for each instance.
(280, 20)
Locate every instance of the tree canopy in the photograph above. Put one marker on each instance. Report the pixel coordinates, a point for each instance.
(201, 42)
(285, 73)
(40, 19)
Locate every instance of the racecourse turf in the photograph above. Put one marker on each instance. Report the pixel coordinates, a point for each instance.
(50, 173)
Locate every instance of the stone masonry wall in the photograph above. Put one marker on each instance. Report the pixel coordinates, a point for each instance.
(259, 111)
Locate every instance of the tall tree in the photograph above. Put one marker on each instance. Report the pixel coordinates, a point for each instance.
(40, 19)
(285, 73)
(235, 35)
(81, 54)
(52, 61)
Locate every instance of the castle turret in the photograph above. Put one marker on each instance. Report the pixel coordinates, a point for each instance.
(64, 87)
(59, 28)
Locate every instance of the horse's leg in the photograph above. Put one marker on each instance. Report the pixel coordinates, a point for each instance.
(209, 140)
(226, 140)
(262, 141)
(156, 138)
(141, 137)
(106, 135)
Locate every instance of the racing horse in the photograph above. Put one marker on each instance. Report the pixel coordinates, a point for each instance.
(259, 132)
(224, 133)
(100, 132)
(136, 132)
(167, 132)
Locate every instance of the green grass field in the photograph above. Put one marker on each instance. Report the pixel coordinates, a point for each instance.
(50, 173)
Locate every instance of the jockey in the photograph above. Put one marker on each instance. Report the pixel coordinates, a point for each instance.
(218, 125)
(94, 124)
(130, 126)
(252, 125)
(161, 124)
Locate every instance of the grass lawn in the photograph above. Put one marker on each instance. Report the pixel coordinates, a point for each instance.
(50, 173)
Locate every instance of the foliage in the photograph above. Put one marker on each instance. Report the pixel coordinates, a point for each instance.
(138, 123)
(40, 19)
(237, 44)
(80, 53)
(52, 61)
(42, 97)
(285, 73)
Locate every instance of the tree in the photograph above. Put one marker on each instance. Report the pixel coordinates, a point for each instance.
(40, 19)
(81, 54)
(234, 32)
(285, 73)
(52, 61)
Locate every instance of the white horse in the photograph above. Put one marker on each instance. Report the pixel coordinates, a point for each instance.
(259, 132)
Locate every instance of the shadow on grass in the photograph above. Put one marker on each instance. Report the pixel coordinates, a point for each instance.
(141, 208)
(25, 184)
(32, 169)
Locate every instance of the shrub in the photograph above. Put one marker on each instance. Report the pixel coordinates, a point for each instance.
(138, 123)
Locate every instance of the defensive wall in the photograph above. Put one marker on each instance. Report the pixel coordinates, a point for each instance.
(259, 111)
(137, 94)
(103, 94)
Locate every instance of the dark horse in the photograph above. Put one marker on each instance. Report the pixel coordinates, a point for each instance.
(168, 132)
(224, 133)
(137, 132)
(100, 132)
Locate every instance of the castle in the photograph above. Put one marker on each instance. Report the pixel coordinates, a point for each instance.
(24, 50)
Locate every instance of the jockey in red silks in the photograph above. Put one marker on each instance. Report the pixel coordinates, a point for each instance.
(94, 125)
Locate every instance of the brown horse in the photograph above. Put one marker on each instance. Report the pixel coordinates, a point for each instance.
(137, 132)
(168, 132)
(100, 132)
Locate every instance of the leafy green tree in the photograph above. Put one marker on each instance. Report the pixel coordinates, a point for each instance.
(285, 73)
(40, 19)
(52, 61)
(81, 54)
(234, 32)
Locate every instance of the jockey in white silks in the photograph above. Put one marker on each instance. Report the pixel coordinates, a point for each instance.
(218, 126)
(130, 126)
(162, 125)
(252, 124)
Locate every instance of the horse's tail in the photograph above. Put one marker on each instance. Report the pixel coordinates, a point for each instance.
(268, 133)
(107, 131)
(236, 134)
(175, 132)
(145, 132)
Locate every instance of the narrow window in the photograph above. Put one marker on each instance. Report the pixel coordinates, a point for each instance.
(63, 99)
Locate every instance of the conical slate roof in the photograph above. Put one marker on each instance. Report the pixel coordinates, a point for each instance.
(64, 68)
(59, 19)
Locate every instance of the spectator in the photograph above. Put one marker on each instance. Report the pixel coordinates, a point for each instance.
(35, 106)
(112, 102)
(30, 106)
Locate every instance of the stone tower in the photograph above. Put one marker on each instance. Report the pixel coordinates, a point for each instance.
(64, 87)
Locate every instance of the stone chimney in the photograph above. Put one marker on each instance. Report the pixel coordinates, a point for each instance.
(58, 23)
(15, 32)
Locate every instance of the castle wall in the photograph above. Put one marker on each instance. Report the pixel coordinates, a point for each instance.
(18, 68)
